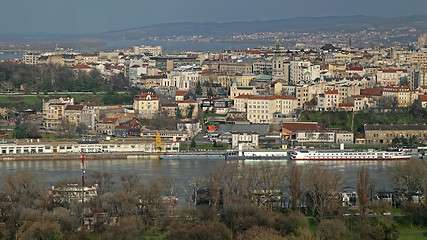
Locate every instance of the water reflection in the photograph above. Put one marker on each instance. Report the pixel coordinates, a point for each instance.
(182, 169)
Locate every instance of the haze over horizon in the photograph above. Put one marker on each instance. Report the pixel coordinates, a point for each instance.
(60, 17)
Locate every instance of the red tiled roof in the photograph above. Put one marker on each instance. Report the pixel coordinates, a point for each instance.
(301, 126)
(346, 105)
(271, 97)
(89, 104)
(189, 100)
(106, 120)
(360, 136)
(355, 68)
(359, 96)
(331, 91)
(74, 107)
(392, 70)
(372, 92)
(115, 67)
(423, 98)
(143, 97)
(243, 96)
(180, 93)
(81, 66)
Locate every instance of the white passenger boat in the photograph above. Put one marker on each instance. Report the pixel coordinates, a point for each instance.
(348, 155)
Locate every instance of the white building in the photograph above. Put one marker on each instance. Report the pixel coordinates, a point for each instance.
(262, 109)
(184, 78)
(328, 100)
(325, 136)
(303, 71)
(391, 77)
(244, 140)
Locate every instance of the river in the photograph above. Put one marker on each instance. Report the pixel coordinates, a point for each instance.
(180, 169)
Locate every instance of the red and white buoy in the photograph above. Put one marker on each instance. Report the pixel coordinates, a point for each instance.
(82, 158)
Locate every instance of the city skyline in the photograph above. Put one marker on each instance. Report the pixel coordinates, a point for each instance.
(48, 17)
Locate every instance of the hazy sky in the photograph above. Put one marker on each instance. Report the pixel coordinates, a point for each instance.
(95, 16)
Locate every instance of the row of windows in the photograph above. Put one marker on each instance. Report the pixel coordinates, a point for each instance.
(258, 111)
(258, 116)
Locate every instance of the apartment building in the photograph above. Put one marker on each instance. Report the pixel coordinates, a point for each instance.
(186, 105)
(301, 71)
(361, 102)
(240, 103)
(401, 94)
(182, 79)
(31, 57)
(261, 109)
(328, 100)
(73, 114)
(391, 77)
(243, 79)
(235, 67)
(419, 58)
(106, 126)
(423, 101)
(53, 115)
(384, 134)
(244, 140)
(146, 103)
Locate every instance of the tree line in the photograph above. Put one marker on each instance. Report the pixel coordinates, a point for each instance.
(50, 78)
(262, 201)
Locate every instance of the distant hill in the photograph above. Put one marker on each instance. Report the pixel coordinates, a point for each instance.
(300, 24)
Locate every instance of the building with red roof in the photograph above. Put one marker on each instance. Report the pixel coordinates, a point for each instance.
(328, 100)
(423, 101)
(391, 77)
(300, 126)
(361, 102)
(347, 107)
(106, 126)
(375, 93)
(146, 104)
(189, 108)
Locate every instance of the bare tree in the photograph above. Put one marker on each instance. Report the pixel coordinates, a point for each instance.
(23, 188)
(388, 102)
(364, 189)
(130, 182)
(294, 177)
(214, 187)
(195, 183)
(104, 180)
(8, 85)
(322, 187)
(409, 178)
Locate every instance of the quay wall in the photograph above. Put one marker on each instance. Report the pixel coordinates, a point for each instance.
(90, 156)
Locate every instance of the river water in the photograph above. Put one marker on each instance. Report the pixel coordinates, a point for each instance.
(181, 169)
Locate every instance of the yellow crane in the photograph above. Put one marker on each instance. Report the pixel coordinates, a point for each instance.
(158, 144)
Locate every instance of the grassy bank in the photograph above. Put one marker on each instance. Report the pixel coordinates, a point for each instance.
(407, 233)
(22, 102)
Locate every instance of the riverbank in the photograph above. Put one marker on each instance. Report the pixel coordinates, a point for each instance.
(186, 154)
(77, 156)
